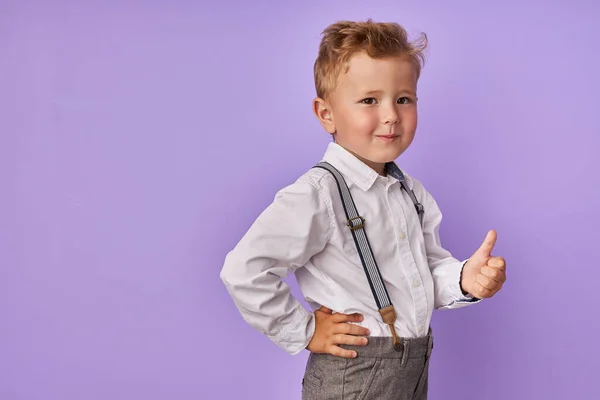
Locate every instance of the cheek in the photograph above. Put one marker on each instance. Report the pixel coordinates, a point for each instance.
(409, 119)
(365, 121)
(356, 122)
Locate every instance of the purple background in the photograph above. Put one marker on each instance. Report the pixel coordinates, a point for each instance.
(138, 142)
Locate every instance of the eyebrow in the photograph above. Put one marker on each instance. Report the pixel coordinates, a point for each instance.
(379, 92)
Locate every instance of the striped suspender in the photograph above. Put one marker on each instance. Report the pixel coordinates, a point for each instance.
(356, 225)
(418, 206)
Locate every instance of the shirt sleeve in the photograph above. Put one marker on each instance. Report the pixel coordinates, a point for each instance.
(296, 226)
(445, 269)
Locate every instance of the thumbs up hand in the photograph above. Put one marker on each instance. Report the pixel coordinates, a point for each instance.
(483, 274)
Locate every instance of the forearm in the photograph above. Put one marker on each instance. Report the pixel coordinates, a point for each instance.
(267, 305)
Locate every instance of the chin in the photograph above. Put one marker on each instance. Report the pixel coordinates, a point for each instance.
(386, 157)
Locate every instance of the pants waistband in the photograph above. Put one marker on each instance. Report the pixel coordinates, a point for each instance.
(383, 347)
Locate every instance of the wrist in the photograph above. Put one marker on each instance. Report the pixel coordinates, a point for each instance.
(460, 280)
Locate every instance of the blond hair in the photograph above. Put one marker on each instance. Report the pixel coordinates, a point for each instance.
(379, 40)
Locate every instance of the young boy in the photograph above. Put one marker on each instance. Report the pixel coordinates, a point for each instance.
(360, 234)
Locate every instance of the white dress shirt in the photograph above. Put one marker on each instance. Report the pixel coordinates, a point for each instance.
(304, 231)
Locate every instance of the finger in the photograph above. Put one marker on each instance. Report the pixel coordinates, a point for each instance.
(482, 292)
(338, 351)
(488, 283)
(495, 274)
(326, 310)
(339, 318)
(349, 329)
(349, 339)
(487, 246)
(497, 262)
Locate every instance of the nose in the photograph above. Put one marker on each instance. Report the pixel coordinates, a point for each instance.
(390, 115)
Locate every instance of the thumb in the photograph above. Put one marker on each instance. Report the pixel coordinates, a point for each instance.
(325, 310)
(488, 244)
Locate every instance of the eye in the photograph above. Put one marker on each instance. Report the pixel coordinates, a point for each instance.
(404, 100)
(369, 101)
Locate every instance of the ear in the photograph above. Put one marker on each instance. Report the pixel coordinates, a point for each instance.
(324, 113)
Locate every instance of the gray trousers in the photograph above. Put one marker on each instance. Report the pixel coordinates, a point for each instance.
(378, 373)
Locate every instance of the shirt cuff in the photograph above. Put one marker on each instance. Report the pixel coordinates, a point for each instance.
(296, 335)
(460, 299)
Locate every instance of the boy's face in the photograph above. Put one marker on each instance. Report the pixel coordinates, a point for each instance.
(373, 110)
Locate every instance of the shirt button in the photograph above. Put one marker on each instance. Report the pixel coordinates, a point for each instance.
(402, 235)
(416, 283)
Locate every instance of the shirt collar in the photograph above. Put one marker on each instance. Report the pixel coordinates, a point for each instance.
(357, 171)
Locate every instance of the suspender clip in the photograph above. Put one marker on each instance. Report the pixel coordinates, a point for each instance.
(420, 208)
(356, 223)
(389, 317)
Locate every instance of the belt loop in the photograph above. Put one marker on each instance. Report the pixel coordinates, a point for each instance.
(405, 349)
